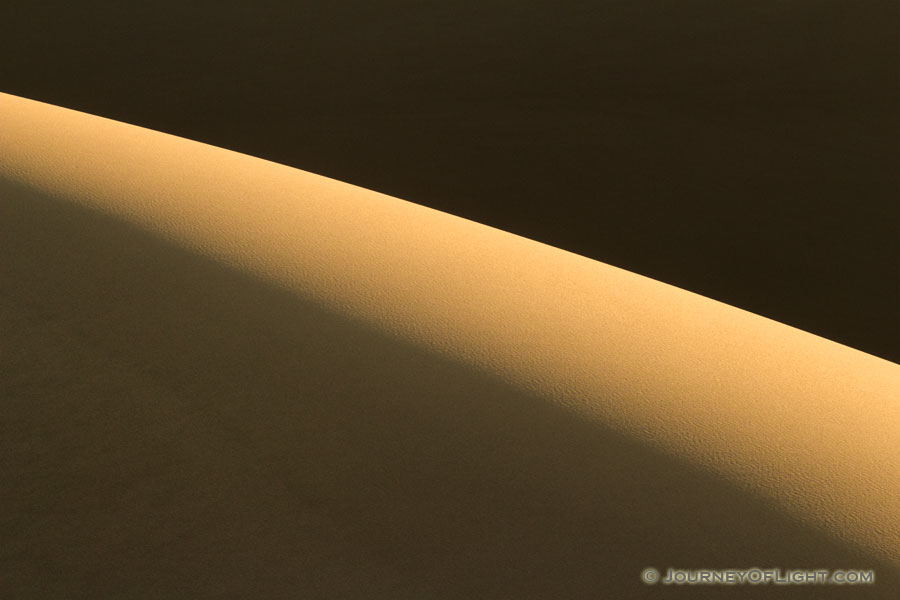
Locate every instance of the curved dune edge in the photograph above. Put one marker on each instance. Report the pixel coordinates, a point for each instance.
(808, 424)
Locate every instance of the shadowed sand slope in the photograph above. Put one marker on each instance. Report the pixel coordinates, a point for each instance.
(226, 377)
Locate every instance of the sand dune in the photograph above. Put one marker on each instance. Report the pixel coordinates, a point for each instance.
(224, 376)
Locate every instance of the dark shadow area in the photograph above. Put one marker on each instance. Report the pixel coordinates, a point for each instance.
(172, 428)
(747, 151)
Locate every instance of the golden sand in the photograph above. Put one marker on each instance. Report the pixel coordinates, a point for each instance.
(805, 431)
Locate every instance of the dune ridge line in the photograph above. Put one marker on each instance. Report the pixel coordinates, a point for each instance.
(808, 424)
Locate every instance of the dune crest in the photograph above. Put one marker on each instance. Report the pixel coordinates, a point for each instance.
(808, 426)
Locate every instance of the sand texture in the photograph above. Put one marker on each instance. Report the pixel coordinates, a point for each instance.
(224, 377)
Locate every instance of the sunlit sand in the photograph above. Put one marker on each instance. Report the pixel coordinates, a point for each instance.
(231, 376)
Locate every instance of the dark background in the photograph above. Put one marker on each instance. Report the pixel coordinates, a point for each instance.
(747, 150)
